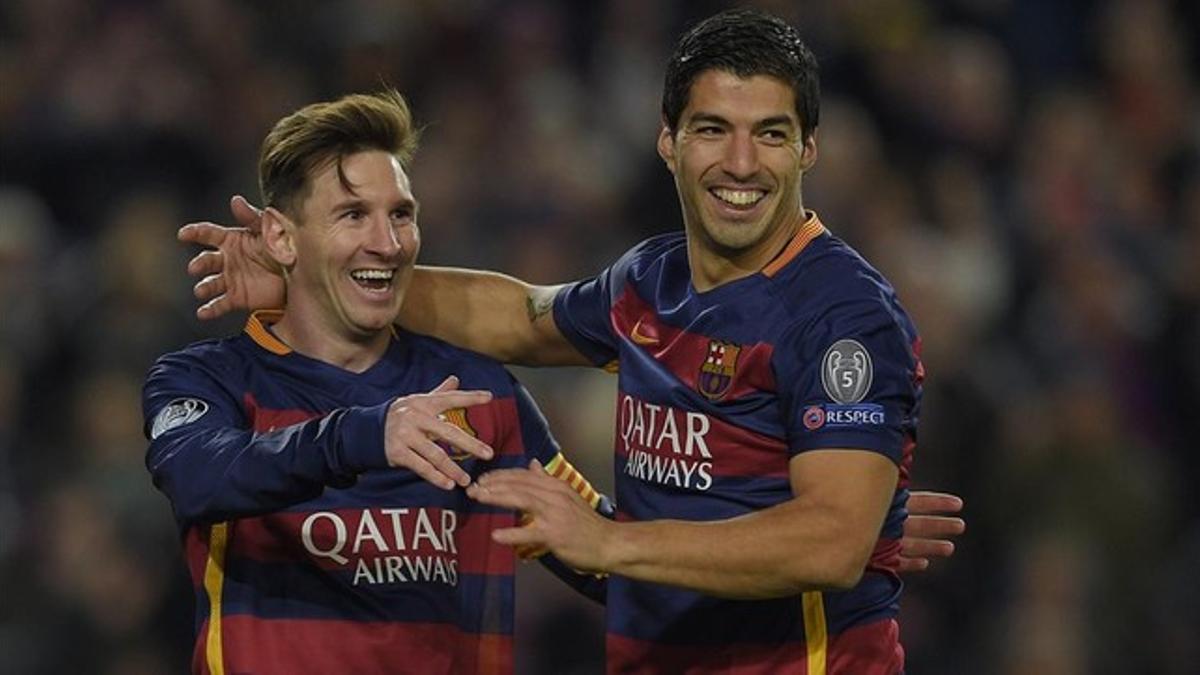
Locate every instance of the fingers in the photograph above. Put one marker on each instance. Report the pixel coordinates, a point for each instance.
(448, 384)
(518, 536)
(443, 401)
(506, 496)
(246, 214)
(205, 234)
(209, 287)
(215, 308)
(205, 263)
(933, 527)
(908, 565)
(460, 439)
(435, 466)
(926, 502)
(926, 548)
(520, 480)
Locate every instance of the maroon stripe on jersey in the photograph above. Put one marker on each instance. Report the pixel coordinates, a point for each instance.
(336, 539)
(195, 551)
(265, 646)
(906, 460)
(886, 557)
(667, 434)
(919, 370)
(493, 421)
(268, 419)
(870, 649)
(684, 352)
(630, 655)
(199, 651)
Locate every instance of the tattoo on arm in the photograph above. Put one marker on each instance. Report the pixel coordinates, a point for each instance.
(540, 301)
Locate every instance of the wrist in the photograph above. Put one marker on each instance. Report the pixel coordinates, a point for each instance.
(619, 546)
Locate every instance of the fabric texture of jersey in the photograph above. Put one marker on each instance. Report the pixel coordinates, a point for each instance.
(717, 392)
(308, 554)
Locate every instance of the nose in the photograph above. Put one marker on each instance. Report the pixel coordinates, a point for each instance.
(740, 160)
(386, 238)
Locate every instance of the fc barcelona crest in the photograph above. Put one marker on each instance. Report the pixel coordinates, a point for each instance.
(716, 373)
(458, 417)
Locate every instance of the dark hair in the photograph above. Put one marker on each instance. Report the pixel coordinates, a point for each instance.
(329, 131)
(744, 42)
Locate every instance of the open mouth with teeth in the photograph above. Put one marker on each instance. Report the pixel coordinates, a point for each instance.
(738, 199)
(374, 280)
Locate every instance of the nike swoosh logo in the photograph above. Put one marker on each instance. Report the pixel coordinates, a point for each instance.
(639, 338)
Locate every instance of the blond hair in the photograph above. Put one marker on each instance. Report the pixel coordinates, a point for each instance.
(307, 139)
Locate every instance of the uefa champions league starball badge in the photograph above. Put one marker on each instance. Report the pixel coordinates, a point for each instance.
(846, 371)
(179, 412)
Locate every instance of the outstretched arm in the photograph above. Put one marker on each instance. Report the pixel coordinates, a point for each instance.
(491, 313)
(822, 538)
(487, 312)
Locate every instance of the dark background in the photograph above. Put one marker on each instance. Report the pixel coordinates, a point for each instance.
(1026, 173)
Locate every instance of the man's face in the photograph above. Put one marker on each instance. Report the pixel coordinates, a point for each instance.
(737, 156)
(355, 250)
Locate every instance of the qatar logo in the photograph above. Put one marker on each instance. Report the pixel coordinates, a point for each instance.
(716, 373)
(846, 371)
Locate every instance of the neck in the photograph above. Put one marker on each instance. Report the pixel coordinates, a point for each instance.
(713, 265)
(315, 339)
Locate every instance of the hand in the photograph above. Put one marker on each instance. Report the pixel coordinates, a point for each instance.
(237, 274)
(413, 425)
(926, 532)
(558, 518)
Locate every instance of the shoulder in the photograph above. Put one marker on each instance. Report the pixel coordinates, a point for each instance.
(831, 274)
(653, 252)
(225, 355)
(215, 371)
(831, 289)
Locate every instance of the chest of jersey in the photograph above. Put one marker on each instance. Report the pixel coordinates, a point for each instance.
(698, 411)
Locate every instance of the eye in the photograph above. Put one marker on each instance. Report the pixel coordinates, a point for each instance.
(709, 130)
(404, 214)
(353, 214)
(775, 136)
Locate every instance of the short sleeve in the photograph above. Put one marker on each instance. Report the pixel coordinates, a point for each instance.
(852, 380)
(583, 310)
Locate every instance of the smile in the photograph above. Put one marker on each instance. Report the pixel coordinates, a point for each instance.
(739, 198)
(373, 279)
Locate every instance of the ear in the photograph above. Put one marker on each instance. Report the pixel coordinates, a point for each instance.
(808, 153)
(278, 233)
(666, 147)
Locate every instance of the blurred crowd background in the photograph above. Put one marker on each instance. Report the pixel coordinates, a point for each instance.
(1026, 172)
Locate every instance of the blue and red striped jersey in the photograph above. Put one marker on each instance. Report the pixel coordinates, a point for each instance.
(307, 552)
(717, 392)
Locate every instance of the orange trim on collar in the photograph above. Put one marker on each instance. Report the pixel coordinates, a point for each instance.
(811, 229)
(256, 328)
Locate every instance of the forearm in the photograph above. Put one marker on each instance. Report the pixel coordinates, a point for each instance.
(785, 550)
(218, 473)
(488, 312)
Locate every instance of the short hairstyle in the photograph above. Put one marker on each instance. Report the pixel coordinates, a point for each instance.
(319, 133)
(744, 42)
